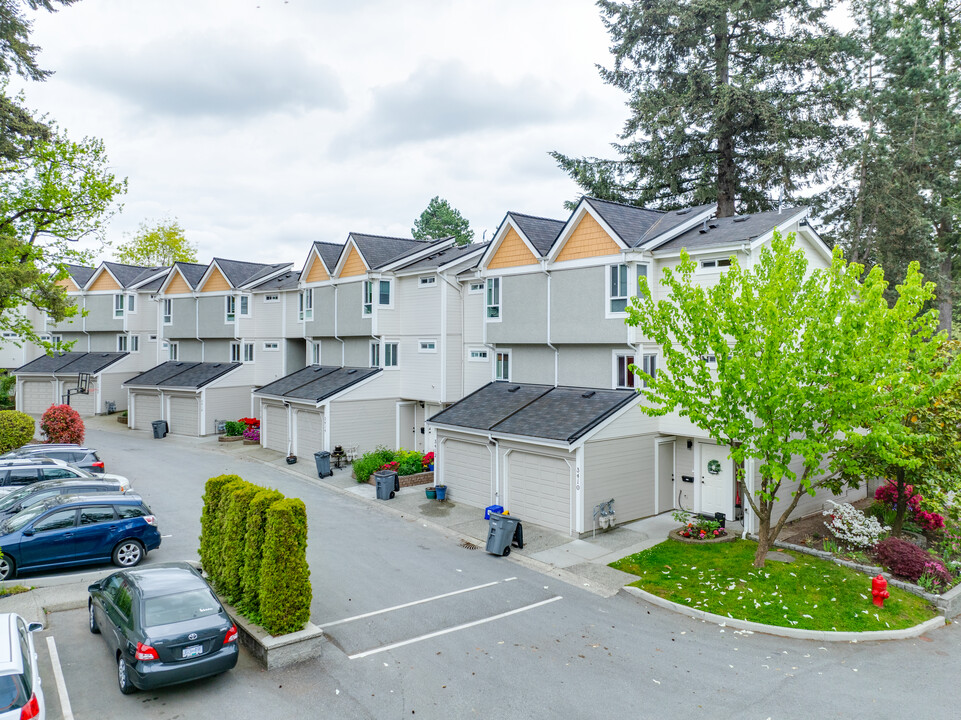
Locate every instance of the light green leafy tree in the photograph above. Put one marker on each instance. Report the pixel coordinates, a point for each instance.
(440, 220)
(160, 244)
(800, 356)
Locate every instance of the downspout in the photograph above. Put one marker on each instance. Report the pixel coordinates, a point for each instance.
(745, 506)
(343, 345)
(556, 354)
(443, 340)
(85, 322)
(197, 329)
(495, 454)
(290, 428)
(373, 327)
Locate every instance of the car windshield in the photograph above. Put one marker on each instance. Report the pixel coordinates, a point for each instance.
(178, 607)
(14, 498)
(22, 518)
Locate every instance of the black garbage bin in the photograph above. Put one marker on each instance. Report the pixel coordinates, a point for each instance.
(505, 530)
(159, 429)
(387, 482)
(322, 458)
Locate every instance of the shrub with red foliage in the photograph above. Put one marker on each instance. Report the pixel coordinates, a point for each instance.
(908, 561)
(62, 424)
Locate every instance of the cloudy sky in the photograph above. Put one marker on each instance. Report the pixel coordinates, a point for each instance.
(264, 125)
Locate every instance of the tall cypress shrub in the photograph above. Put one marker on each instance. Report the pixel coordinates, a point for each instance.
(285, 592)
(235, 505)
(253, 549)
(210, 524)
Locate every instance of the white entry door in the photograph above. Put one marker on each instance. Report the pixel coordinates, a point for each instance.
(665, 476)
(717, 480)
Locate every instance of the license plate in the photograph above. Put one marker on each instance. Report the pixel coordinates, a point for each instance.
(193, 651)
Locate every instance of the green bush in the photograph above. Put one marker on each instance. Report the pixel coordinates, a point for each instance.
(370, 462)
(232, 540)
(409, 462)
(254, 544)
(285, 592)
(8, 384)
(16, 429)
(210, 523)
(232, 428)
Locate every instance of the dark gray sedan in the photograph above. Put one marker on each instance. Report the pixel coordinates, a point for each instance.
(163, 625)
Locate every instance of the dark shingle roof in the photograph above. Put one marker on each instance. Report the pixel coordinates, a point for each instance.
(445, 256)
(539, 411)
(672, 219)
(379, 250)
(329, 253)
(71, 362)
(239, 273)
(192, 272)
(628, 221)
(154, 284)
(542, 232)
(127, 275)
(284, 281)
(80, 273)
(316, 382)
(731, 230)
(181, 374)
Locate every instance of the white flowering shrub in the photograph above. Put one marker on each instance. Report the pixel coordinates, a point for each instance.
(852, 527)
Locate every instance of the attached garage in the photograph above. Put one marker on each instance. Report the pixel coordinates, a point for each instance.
(184, 415)
(540, 488)
(145, 408)
(44, 382)
(273, 428)
(37, 396)
(310, 432)
(467, 471)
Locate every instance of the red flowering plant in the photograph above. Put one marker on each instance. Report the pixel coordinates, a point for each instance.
(697, 527)
(887, 495)
(428, 459)
(393, 465)
(250, 422)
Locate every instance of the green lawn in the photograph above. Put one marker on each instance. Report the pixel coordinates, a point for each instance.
(809, 593)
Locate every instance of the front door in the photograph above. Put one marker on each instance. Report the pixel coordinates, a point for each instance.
(406, 437)
(665, 476)
(717, 480)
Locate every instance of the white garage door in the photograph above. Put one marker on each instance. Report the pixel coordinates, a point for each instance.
(37, 396)
(86, 405)
(273, 428)
(184, 416)
(466, 470)
(146, 409)
(310, 432)
(538, 490)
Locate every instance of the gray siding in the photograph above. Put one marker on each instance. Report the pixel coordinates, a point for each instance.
(183, 319)
(366, 423)
(349, 319)
(111, 389)
(356, 352)
(216, 350)
(212, 314)
(221, 404)
(531, 364)
(523, 311)
(100, 342)
(622, 469)
(296, 355)
(587, 365)
(323, 322)
(190, 351)
(100, 314)
(578, 299)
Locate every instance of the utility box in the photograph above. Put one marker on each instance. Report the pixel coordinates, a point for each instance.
(505, 530)
(387, 481)
(159, 429)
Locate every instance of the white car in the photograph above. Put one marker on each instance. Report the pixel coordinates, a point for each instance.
(21, 697)
(18, 472)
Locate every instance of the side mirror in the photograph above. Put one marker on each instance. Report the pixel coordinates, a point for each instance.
(34, 627)
(28, 532)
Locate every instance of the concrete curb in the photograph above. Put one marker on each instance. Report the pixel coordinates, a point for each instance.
(794, 633)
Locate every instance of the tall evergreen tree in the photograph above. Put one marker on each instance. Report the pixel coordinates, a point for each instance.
(440, 220)
(730, 102)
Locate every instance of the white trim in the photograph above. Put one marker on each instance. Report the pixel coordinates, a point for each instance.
(657, 472)
(478, 349)
(390, 292)
(579, 263)
(498, 240)
(253, 357)
(240, 303)
(471, 290)
(500, 300)
(396, 354)
(499, 351)
(274, 343)
(272, 298)
(164, 315)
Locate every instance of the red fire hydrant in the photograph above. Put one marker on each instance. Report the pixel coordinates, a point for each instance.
(879, 589)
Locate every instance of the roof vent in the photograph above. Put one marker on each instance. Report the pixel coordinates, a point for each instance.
(215, 365)
(179, 364)
(685, 211)
(712, 225)
(589, 393)
(703, 228)
(514, 389)
(318, 368)
(351, 372)
(742, 218)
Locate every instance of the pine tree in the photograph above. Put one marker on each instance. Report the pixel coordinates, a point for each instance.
(440, 220)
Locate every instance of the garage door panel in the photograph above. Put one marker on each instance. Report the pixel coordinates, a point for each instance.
(467, 472)
(86, 405)
(146, 409)
(184, 416)
(275, 432)
(539, 489)
(37, 396)
(310, 432)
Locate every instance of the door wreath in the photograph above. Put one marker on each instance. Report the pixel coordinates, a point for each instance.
(714, 467)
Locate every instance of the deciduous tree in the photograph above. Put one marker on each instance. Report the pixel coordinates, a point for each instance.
(161, 244)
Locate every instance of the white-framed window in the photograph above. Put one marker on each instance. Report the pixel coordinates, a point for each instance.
(168, 311)
(315, 353)
(271, 298)
(623, 377)
(427, 281)
(502, 365)
(118, 303)
(56, 341)
(714, 264)
(648, 366)
(478, 355)
(617, 289)
(475, 288)
(375, 354)
(235, 352)
(134, 343)
(151, 338)
(367, 298)
(709, 359)
(384, 295)
(306, 305)
(248, 352)
(131, 304)
(173, 350)
(245, 306)
(427, 346)
(230, 314)
(271, 346)
(493, 298)
(390, 355)
(121, 343)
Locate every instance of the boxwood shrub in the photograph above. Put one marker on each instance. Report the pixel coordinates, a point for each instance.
(285, 592)
(16, 429)
(253, 547)
(236, 503)
(210, 523)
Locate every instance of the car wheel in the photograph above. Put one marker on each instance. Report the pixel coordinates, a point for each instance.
(94, 628)
(123, 679)
(128, 553)
(8, 568)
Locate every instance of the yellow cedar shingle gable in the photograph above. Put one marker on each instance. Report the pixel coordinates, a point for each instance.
(512, 252)
(588, 240)
(317, 272)
(105, 281)
(69, 284)
(177, 286)
(353, 265)
(216, 282)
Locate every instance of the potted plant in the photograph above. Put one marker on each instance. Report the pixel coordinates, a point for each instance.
(428, 461)
(431, 492)
(441, 491)
(291, 459)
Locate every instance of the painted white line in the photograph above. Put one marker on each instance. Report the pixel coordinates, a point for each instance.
(58, 677)
(453, 629)
(166, 536)
(407, 605)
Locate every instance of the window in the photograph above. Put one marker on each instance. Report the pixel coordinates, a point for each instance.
(58, 474)
(248, 352)
(493, 298)
(315, 353)
(502, 370)
(168, 311)
(245, 306)
(427, 346)
(126, 512)
(617, 289)
(271, 298)
(231, 310)
(390, 355)
(375, 354)
(427, 281)
(60, 520)
(22, 476)
(477, 356)
(649, 366)
(173, 351)
(121, 343)
(134, 343)
(271, 346)
(56, 341)
(235, 352)
(131, 303)
(152, 338)
(715, 264)
(625, 378)
(306, 305)
(118, 306)
(384, 294)
(476, 287)
(367, 300)
(709, 359)
(96, 514)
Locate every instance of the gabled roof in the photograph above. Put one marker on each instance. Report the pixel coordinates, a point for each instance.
(446, 256)
(732, 230)
(80, 273)
(239, 272)
(315, 383)
(672, 221)
(285, 281)
(329, 253)
(379, 250)
(630, 222)
(182, 374)
(192, 272)
(542, 232)
(71, 362)
(538, 411)
(129, 275)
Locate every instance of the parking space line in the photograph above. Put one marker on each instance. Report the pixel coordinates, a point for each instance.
(58, 677)
(428, 636)
(410, 604)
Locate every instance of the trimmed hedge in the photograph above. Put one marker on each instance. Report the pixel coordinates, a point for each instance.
(16, 429)
(253, 546)
(285, 592)
(232, 546)
(210, 544)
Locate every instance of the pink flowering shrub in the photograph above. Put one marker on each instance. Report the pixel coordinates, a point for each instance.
(927, 521)
(62, 424)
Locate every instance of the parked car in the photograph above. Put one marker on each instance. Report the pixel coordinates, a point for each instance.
(18, 471)
(163, 624)
(78, 530)
(21, 697)
(24, 497)
(77, 455)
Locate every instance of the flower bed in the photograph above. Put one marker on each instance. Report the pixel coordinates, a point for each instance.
(697, 528)
(678, 534)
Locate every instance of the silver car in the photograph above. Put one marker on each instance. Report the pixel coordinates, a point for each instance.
(17, 472)
(21, 697)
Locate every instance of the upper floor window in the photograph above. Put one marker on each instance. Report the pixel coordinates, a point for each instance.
(383, 295)
(168, 311)
(134, 343)
(271, 346)
(477, 355)
(271, 298)
(245, 306)
(427, 281)
(315, 353)
(173, 351)
(118, 303)
(248, 352)
(502, 367)
(121, 343)
(306, 305)
(375, 354)
(131, 303)
(427, 346)
(235, 352)
(231, 310)
(649, 366)
(619, 284)
(476, 287)
(715, 264)
(625, 378)
(368, 298)
(390, 355)
(493, 298)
